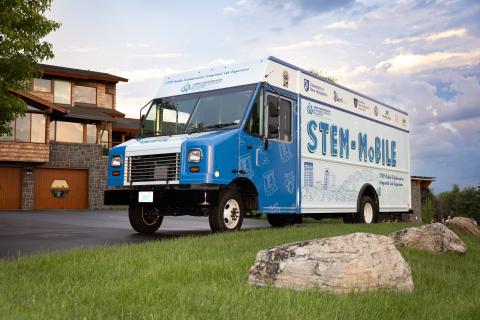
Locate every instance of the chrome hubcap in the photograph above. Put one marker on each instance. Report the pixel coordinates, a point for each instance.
(150, 216)
(231, 213)
(368, 213)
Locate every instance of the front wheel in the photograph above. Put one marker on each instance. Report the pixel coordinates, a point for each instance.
(144, 219)
(368, 211)
(228, 216)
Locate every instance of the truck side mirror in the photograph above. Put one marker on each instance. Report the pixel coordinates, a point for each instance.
(273, 119)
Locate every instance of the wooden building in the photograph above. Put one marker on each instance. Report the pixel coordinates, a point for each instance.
(55, 156)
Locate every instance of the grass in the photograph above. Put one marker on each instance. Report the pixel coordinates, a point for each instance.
(205, 277)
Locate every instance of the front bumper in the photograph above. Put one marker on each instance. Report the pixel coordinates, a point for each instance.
(171, 198)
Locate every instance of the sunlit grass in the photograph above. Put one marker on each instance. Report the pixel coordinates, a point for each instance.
(205, 277)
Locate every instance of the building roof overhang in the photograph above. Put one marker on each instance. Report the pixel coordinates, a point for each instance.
(52, 70)
(40, 103)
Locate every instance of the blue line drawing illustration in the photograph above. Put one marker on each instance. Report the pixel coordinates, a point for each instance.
(269, 183)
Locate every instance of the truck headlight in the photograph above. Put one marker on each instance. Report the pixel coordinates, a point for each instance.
(194, 155)
(116, 161)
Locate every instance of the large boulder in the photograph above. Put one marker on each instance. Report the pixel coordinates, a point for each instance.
(352, 263)
(463, 225)
(433, 237)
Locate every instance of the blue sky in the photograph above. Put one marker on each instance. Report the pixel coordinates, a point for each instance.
(421, 56)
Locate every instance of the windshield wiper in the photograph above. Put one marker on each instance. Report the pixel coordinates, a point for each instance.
(213, 126)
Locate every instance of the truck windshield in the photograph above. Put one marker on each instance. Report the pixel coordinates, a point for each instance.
(197, 112)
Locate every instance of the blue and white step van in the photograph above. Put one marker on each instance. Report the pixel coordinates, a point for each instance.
(264, 137)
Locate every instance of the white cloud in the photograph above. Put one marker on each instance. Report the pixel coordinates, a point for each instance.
(217, 62)
(138, 75)
(414, 63)
(167, 55)
(137, 45)
(343, 24)
(239, 6)
(80, 49)
(461, 32)
(317, 40)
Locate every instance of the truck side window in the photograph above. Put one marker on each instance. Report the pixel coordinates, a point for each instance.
(285, 121)
(255, 124)
(284, 118)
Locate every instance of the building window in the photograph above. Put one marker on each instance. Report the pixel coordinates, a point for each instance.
(104, 138)
(42, 85)
(53, 125)
(73, 132)
(38, 128)
(30, 128)
(22, 128)
(69, 132)
(91, 136)
(109, 100)
(85, 95)
(9, 137)
(62, 92)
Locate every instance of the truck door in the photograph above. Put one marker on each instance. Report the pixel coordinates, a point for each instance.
(271, 164)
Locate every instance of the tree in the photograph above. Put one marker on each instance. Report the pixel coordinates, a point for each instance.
(464, 202)
(22, 28)
(323, 75)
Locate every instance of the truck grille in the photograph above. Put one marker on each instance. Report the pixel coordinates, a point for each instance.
(155, 167)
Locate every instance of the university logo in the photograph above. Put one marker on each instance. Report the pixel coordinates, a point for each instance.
(336, 97)
(310, 109)
(306, 84)
(285, 78)
(186, 88)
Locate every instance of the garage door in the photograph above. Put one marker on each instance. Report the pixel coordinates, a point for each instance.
(10, 188)
(61, 189)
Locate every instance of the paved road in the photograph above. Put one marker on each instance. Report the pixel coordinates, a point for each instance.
(27, 232)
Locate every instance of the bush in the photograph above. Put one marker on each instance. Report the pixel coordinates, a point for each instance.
(428, 210)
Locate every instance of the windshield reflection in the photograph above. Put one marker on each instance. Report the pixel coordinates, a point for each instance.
(196, 112)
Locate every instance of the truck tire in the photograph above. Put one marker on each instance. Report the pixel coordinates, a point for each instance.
(228, 216)
(144, 219)
(368, 211)
(282, 220)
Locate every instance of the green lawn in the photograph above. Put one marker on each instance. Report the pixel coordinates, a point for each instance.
(205, 277)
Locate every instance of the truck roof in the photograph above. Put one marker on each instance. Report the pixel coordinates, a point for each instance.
(282, 62)
(284, 75)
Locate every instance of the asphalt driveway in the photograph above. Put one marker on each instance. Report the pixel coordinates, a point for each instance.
(27, 232)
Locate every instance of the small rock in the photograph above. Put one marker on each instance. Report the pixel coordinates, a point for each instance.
(463, 225)
(352, 263)
(433, 237)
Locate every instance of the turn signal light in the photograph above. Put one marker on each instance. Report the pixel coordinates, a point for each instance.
(115, 173)
(194, 169)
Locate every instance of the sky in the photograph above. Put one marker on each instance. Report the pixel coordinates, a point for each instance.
(420, 56)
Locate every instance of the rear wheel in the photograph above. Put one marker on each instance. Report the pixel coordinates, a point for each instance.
(144, 219)
(368, 211)
(228, 216)
(282, 220)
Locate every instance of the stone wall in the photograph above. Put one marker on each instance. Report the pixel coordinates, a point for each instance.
(73, 156)
(416, 216)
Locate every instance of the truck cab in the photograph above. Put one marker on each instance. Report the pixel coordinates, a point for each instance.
(217, 151)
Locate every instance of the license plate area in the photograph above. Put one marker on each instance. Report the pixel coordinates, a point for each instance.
(145, 196)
